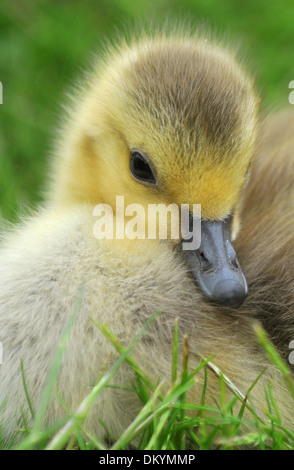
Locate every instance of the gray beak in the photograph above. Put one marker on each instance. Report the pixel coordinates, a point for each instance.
(215, 266)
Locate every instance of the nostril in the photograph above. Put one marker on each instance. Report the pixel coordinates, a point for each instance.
(201, 254)
(203, 260)
(234, 262)
(232, 257)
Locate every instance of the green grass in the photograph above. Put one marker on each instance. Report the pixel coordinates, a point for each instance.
(166, 421)
(45, 44)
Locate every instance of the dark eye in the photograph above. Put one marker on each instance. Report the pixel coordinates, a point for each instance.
(141, 168)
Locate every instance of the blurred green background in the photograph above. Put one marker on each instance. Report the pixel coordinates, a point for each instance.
(44, 44)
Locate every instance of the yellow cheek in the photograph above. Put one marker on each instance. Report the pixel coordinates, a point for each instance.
(216, 190)
(218, 194)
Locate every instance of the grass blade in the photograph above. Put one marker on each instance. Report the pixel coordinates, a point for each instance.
(60, 440)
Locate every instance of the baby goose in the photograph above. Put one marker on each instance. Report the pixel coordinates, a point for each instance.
(186, 114)
(170, 119)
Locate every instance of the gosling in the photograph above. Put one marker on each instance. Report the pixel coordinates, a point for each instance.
(170, 119)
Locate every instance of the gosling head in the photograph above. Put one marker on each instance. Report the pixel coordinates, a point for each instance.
(168, 120)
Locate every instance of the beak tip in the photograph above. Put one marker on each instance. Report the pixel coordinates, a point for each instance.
(229, 293)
